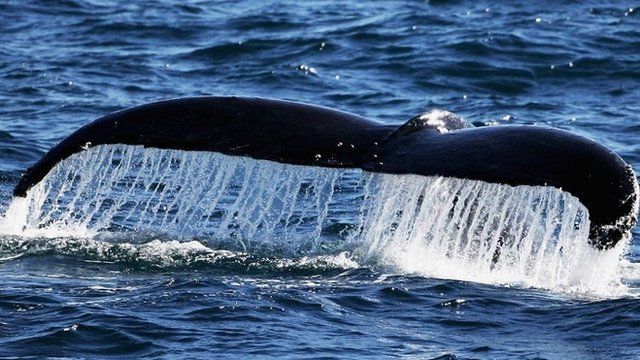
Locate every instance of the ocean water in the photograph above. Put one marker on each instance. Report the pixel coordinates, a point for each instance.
(328, 264)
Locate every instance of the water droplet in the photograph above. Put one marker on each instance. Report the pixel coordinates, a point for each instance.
(307, 69)
(73, 327)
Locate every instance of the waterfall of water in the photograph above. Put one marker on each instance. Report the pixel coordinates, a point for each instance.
(239, 200)
(464, 229)
(437, 226)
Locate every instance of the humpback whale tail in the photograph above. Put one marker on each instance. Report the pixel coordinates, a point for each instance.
(435, 144)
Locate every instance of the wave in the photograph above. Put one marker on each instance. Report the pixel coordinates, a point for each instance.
(168, 254)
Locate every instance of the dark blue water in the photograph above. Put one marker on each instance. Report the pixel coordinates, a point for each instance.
(574, 66)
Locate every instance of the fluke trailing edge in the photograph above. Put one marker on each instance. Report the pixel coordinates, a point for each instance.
(435, 144)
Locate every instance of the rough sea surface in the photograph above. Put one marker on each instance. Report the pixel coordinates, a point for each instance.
(573, 65)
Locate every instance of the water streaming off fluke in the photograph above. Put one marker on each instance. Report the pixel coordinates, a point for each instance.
(435, 226)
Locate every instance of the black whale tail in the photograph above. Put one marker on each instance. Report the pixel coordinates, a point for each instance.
(302, 134)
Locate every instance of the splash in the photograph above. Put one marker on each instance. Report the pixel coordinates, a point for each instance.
(471, 230)
(249, 204)
(168, 254)
(432, 226)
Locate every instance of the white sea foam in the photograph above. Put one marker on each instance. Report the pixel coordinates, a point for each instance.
(432, 226)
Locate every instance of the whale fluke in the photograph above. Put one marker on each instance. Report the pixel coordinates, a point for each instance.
(435, 144)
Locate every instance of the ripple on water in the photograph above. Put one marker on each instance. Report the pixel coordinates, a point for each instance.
(571, 65)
